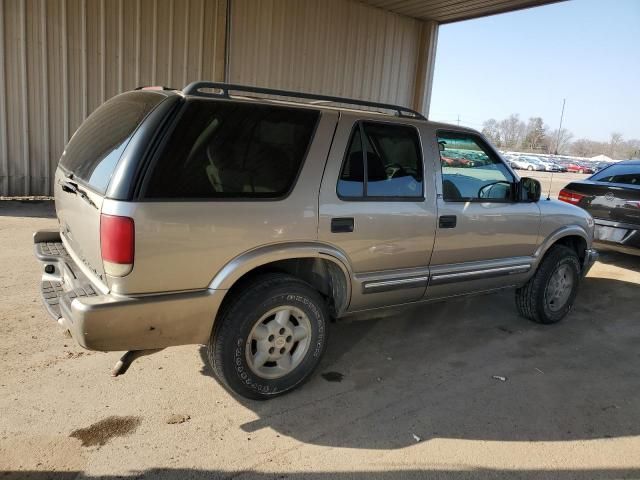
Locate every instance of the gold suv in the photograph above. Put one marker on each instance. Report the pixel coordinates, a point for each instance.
(245, 219)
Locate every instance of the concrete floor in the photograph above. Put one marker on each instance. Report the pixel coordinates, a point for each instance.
(417, 398)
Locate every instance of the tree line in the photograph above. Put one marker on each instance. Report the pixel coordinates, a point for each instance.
(535, 136)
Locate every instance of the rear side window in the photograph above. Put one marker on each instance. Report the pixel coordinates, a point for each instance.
(382, 161)
(626, 174)
(94, 150)
(225, 149)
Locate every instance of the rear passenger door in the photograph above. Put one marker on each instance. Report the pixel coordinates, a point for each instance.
(373, 208)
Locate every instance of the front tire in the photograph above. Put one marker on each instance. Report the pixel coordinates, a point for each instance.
(270, 338)
(549, 295)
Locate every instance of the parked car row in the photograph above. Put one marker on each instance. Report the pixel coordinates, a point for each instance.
(524, 163)
(612, 197)
(464, 158)
(578, 167)
(553, 164)
(528, 162)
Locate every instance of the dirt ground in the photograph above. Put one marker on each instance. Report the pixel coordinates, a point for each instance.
(412, 395)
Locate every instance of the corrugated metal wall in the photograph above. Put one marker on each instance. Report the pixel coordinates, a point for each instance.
(60, 59)
(334, 47)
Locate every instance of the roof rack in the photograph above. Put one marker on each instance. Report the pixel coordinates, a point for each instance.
(194, 89)
(154, 87)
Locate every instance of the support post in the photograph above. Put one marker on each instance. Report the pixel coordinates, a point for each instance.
(425, 66)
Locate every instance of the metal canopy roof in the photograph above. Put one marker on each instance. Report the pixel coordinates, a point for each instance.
(446, 11)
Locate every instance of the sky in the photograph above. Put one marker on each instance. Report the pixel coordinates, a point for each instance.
(526, 62)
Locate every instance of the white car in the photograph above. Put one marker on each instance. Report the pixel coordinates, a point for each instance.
(527, 163)
(548, 165)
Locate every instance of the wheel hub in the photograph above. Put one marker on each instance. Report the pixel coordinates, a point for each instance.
(278, 342)
(559, 288)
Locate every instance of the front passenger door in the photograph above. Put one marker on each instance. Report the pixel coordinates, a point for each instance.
(485, 237)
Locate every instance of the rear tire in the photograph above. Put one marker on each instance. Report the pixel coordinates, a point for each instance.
(549, 295)
(270, 338)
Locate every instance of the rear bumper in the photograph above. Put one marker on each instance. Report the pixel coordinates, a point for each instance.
(108, 322)
(620, 237)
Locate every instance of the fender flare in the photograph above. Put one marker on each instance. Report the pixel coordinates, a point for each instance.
(565, 231)
(247, 261)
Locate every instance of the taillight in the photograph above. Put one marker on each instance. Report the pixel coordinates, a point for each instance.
(117, 244)
(570, 197)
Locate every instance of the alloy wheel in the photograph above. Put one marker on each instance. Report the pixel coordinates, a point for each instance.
(559, 288)
(278, 342)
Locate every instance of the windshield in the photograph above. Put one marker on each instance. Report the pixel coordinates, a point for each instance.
(94, 150)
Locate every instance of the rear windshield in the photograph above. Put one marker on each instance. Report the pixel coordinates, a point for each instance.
(223, 149)
(627, 174)
(94, 150)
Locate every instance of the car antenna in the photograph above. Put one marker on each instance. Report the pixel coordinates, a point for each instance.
(551, 179)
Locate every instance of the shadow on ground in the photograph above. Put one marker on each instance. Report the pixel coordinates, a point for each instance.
(27, 208)
(481, 474)
(622, 260)
(430, 372)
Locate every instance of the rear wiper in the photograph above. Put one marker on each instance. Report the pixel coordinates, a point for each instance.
(71, 187)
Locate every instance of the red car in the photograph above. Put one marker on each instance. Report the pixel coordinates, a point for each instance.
(575, 167)
(450, 162)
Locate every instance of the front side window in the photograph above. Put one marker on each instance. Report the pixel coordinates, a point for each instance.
(470, 171)
(382, 161)
(226, 150)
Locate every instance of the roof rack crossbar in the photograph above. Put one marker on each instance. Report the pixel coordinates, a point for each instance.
(195, 87)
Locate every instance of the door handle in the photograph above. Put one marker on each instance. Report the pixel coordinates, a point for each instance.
(447, 221)
(342, 225)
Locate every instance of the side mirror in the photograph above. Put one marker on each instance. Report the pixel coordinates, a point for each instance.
(530, 190)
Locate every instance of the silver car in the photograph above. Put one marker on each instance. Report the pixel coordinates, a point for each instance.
(246, 224)
(527, 163)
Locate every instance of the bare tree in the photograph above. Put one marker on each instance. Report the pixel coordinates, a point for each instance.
(511, 131)
(631, 149)
(583, 147)
(614, 144)
(491, 130)
(535, 134)
(558, 142)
